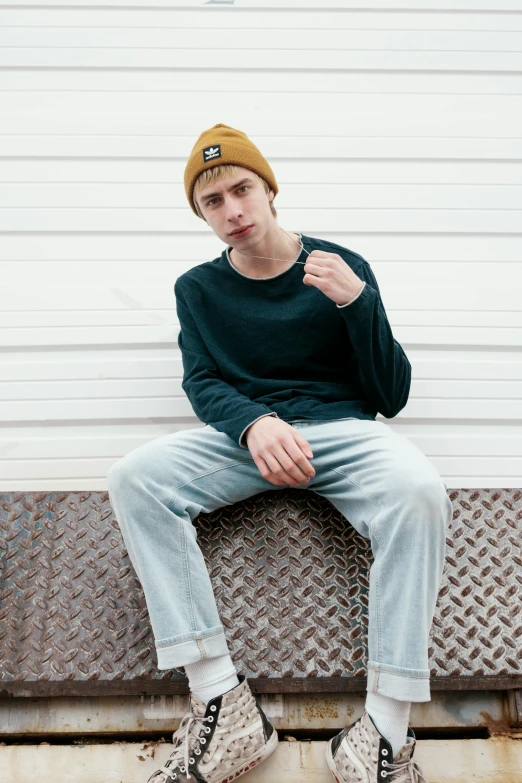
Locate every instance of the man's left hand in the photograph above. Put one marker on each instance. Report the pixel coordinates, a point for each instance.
(331, 274)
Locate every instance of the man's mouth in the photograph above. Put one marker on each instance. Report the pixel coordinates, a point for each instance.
(241, 232)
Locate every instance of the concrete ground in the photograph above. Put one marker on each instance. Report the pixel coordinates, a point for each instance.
(494, 760)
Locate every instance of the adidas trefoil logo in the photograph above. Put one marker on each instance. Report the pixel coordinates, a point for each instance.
(212, 152)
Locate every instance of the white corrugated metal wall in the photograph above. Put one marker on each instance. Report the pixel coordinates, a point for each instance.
(393, 130)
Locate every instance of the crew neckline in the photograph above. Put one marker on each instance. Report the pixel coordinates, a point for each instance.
(300, 257)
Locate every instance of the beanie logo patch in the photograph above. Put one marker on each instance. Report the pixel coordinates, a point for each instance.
(209, 153)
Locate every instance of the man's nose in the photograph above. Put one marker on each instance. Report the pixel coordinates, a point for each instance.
(233, 210)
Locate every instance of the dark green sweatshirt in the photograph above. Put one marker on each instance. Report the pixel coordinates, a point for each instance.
(254, 347)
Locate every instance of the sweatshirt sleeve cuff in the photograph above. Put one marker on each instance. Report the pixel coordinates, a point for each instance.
(241, 442)
(356, 297)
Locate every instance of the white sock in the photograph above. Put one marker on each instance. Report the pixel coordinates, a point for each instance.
(391, 717)
(211, 677)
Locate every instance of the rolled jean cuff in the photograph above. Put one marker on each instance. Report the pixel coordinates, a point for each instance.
(190, 648)
(398, 683)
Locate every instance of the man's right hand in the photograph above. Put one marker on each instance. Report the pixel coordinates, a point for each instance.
(280, 452)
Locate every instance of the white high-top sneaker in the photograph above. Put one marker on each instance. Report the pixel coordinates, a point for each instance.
(360, 754)
(219, 742)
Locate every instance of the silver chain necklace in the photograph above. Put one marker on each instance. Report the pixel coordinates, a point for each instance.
(300, 244)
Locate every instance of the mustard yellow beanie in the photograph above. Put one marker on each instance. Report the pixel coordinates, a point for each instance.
(223, 144)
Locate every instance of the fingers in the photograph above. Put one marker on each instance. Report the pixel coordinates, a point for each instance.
(288, 464)
(302, 443)
(282, 467)
(300, 468)
(280, 453)
(267, 473)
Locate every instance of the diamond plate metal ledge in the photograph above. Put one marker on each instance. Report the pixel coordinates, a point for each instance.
(290, 575)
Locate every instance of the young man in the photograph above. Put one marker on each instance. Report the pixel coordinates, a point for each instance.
(282, 335)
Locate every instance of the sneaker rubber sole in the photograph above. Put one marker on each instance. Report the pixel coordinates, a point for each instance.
(256, 758)
(330, 762)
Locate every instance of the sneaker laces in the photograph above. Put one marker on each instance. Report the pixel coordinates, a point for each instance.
(188, 729)
(405, 772)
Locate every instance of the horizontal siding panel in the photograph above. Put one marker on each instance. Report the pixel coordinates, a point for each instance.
(82, 457)
(467, 319)
(133, 363)
(102, 409)
(433, 409)
(463, 116)
(299, 83)
(21, 181)
(157, 219)
(157, 362)
(295, 5)
(343, 16)
(461, 439)
(509, 467)
(446, 389)
(167, 332)
(261, 59)
(151, 145)
(436, 286)
(97, 440)
(51, 198)
(15, 397)
(168, 406)
(398, 256)
(179, 38)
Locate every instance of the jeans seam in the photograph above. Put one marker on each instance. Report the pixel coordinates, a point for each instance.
(377, 585)
(187, 577)
(202, 475)
(186, 571)
(347, 475)
(401, 674)
(193, 638)
(378, 593)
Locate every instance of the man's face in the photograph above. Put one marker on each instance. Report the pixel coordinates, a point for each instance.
(236, 202)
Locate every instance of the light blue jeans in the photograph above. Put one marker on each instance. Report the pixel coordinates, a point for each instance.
(379, 481)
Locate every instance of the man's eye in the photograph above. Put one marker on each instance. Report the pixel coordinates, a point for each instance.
(240, 188)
